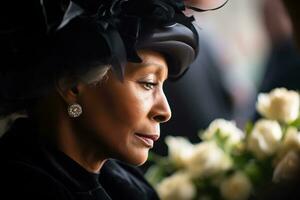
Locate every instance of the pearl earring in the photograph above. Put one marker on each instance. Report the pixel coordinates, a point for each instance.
(74, 110)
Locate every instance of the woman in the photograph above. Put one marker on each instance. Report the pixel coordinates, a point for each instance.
(88, 75)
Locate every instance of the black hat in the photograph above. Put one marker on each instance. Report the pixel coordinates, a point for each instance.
(177, 43)
(123, 26)
(44, 37)
(129, 25)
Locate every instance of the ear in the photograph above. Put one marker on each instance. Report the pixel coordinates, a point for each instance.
(69, 89)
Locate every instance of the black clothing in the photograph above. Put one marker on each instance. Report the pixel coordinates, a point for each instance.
(282, 68)
(31, 169)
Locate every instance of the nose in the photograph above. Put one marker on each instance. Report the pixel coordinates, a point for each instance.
(161, 111)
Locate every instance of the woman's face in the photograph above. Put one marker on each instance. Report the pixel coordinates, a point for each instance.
(122, 118)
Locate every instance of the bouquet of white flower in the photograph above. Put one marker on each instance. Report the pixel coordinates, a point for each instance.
(230, 163)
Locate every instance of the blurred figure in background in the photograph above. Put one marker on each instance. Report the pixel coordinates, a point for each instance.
(283, 63)
(283, 60)
(293, 8)
(238, 35)
(282, 70)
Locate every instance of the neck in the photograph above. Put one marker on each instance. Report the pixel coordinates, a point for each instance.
(58, 129)
(78, 148)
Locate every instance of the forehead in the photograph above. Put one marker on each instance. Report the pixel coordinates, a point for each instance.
(150, 61)
(148, 56)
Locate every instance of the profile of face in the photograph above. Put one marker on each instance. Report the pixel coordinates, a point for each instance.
(121, 119)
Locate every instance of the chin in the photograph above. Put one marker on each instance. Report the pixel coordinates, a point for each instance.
(137, 158)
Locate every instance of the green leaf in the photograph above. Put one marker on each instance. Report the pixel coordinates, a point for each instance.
(164, 163)
(220, 140)
(155, 158)
(154, 174)
(296, 123)
(249, 127)
(243, 159)
(254, 172)
(259, 171)
(205, 188)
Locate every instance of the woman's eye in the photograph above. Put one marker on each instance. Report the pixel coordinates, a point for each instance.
(148, 85)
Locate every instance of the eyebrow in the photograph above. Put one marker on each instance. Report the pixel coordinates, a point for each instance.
(147, 64)
(151, 64)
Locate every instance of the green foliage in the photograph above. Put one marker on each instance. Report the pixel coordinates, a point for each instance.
(296, 123)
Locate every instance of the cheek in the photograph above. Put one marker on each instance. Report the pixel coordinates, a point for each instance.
(118, 111)
(127, 105)
(130, 116)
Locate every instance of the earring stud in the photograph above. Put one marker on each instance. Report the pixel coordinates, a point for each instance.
(74, 110)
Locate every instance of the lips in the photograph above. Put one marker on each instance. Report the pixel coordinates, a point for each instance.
(147, 140)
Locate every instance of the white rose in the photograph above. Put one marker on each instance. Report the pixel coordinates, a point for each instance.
(236, 187)
(180, 149)
(280, 104)
(226, 129)
(288, 167)
(291, 141)
(176, 187)
(207, 159)
(265, 137)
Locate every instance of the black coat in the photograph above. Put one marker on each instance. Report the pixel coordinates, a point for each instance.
(30, 169)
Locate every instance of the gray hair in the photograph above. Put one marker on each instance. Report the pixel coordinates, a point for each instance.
(95, 75)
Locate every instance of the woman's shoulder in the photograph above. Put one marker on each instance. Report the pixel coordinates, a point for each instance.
(128, 180)
(21, 171)
(20, 180)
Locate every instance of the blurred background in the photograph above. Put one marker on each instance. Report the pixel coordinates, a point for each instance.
(238, 35)
(246, 47)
